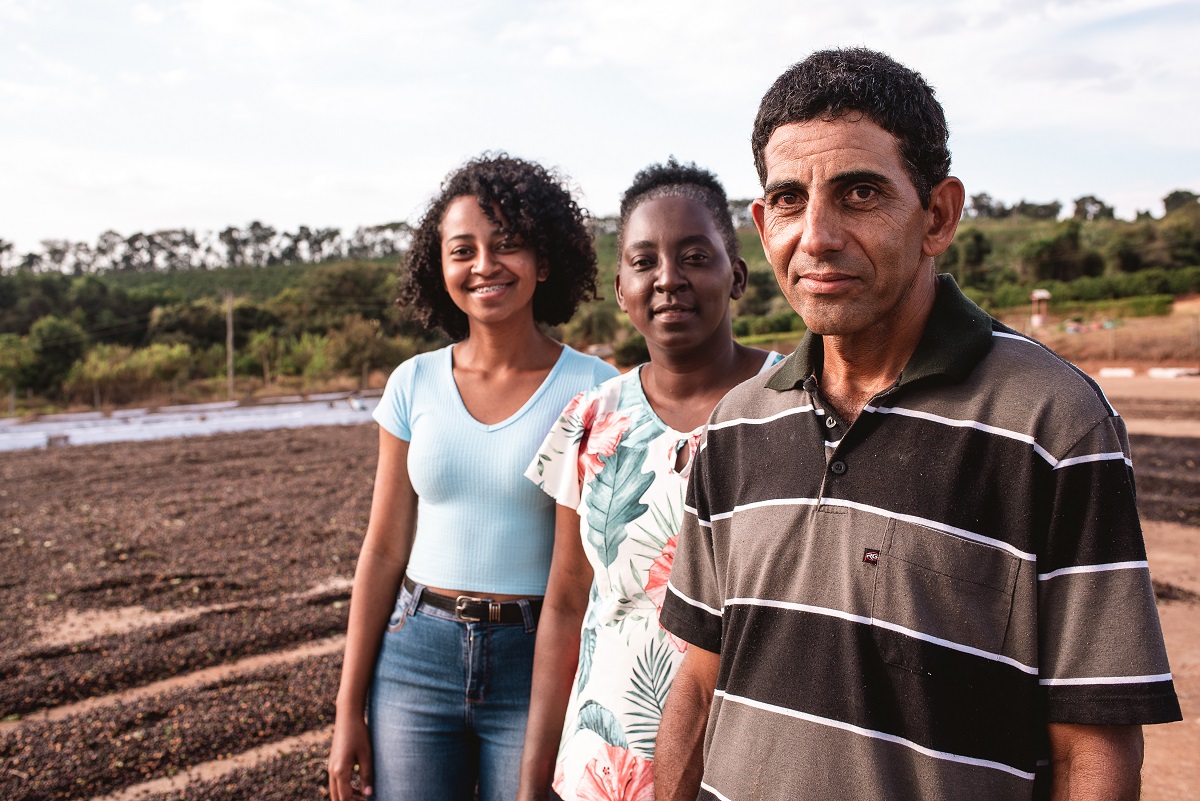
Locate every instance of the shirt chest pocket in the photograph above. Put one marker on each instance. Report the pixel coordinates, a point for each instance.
(936, 591)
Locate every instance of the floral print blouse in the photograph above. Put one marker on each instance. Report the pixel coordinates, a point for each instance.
(613, 460)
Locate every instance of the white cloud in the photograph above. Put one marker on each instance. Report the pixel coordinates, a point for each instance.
(335, 112)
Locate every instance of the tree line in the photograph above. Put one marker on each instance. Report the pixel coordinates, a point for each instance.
(180, 249)
(146, 316)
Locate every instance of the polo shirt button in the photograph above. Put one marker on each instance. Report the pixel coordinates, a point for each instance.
(838, 467)
(830, 422)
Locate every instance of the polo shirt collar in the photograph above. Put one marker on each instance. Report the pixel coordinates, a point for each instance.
(957, 336)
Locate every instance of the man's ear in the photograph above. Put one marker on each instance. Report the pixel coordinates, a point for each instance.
(945, 210)
(617, 290)
(741, 277)
(758, 210)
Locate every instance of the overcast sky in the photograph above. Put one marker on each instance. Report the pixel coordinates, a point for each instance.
(144, 116)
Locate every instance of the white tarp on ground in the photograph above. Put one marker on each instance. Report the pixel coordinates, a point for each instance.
(184, 421)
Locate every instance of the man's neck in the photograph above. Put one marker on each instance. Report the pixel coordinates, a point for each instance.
(855, 368)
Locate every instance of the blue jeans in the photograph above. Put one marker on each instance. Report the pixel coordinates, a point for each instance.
(448, 705)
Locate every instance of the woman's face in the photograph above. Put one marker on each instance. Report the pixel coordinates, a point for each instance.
(490, 275)
(675, 279)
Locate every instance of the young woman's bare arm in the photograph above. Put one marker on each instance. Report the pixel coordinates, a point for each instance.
(377, 577)
(556, 655)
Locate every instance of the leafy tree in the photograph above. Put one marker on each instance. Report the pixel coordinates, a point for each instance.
(264, 346)
(16, 359)
(983, 206)
(1061, 257)
(359, 346)
(57, 344)
(1090, 207)
(1180, 198)
(1038, 211)
(592, 325)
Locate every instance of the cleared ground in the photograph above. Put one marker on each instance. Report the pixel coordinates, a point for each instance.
(179, 607)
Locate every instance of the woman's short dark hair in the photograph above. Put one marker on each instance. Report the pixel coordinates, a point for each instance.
(831, 84)
(526, 200)
(681, 180)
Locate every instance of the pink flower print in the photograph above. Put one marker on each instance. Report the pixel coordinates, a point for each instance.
(660, 571)
(616, 774)
(559, 784)
(601, 435)
(656, 584)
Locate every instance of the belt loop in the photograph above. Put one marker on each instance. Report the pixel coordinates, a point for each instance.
(527, 614)
(416, 591)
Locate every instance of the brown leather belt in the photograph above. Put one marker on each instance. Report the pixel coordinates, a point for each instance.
(473, 609)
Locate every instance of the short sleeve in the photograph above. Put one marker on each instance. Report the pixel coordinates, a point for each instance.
(555, 468)
(1102, 659)
(694, 604)
(394, 410)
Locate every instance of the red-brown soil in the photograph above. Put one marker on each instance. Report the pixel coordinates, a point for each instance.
(207, 562)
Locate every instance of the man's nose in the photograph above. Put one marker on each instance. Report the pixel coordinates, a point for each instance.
(823, 228)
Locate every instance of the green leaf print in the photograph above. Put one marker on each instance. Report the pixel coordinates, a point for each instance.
(651, 682)
(615, 502)
(587, 647)
(597, 718)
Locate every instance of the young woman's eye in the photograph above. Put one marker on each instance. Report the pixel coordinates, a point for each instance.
(641, 262)
(461, 252)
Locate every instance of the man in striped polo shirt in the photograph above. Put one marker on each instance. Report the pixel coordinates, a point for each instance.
(911, 564)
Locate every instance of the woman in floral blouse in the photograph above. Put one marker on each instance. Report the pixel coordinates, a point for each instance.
(617, 463)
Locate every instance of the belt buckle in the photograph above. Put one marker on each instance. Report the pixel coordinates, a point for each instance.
(460, 605)
(461, 602)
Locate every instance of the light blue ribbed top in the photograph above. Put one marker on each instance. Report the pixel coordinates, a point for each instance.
(481, 525)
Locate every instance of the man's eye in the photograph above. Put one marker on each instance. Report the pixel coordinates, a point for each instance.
(786, 199)
(696, 257)
(862, 194)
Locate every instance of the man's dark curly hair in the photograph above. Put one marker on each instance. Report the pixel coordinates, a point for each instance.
(831, 84)
(525, 200)
(681, 180)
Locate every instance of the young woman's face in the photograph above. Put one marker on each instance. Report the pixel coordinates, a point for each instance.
(489, 274)
(675, 278)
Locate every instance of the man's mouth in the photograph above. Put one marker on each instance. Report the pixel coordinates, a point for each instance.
(826, 281)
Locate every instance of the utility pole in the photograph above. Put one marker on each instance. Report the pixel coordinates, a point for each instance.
(229, 341)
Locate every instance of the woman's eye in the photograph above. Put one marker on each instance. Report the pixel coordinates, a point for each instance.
(696, 257)
(641, 262)
(460, 252)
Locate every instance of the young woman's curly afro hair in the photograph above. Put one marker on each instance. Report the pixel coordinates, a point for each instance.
(531, 203)
(682, 180)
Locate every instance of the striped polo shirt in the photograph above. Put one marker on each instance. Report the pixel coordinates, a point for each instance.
(903, 604)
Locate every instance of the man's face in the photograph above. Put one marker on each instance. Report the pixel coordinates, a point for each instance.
(843, 228)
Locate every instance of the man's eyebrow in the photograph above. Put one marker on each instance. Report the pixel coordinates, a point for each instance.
(862, 177)
(776, 186)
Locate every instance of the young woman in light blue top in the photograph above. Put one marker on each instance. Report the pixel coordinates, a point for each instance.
(439, 650)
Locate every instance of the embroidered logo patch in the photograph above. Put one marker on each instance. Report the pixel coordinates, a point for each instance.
(871, 556)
